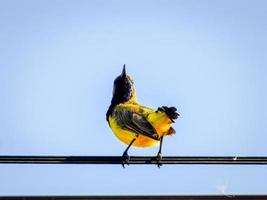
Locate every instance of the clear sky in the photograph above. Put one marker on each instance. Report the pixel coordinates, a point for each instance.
(58, 60)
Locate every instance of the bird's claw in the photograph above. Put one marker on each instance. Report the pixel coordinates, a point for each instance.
(159, 158)
(125, 159)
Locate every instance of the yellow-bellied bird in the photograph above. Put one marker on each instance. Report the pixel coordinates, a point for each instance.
(135, 124)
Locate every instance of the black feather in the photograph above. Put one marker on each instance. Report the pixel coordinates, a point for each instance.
(122, 93)
(170, 111)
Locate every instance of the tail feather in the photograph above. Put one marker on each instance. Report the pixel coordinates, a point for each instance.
(170, 111)
(171, 131)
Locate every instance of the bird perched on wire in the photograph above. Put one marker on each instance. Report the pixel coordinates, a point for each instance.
(135, 124)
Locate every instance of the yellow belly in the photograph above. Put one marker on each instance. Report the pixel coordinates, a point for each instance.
(127, 136)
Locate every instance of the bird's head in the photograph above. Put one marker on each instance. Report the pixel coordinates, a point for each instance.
(123, 89)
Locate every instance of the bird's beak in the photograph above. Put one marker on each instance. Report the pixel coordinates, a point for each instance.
(123, 73)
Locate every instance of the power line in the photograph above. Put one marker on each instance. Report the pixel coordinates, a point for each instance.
(189, 160)
(145, 197)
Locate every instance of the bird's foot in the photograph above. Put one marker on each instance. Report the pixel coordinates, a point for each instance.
(159, 158)
(125, 159)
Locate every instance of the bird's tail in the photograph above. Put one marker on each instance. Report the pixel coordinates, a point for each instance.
(170, 111)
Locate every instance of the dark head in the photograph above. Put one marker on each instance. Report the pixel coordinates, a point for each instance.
(123, 90)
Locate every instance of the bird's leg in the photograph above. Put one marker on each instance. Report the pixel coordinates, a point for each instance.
(125, 155)
(159, 156)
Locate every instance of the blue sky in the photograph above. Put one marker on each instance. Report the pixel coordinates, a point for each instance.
(58, 60)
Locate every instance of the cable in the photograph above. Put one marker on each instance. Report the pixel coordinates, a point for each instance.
(206, 160)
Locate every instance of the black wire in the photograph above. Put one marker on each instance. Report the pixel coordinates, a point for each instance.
(145, 197)
(207, 160)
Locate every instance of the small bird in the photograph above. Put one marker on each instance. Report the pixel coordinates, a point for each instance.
(135, 124)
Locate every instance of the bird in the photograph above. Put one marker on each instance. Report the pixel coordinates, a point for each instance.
(134, 124)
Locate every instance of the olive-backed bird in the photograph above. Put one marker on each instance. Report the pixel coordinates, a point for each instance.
(135, 124)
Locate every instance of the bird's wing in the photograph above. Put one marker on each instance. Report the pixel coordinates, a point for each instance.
(135, 122)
